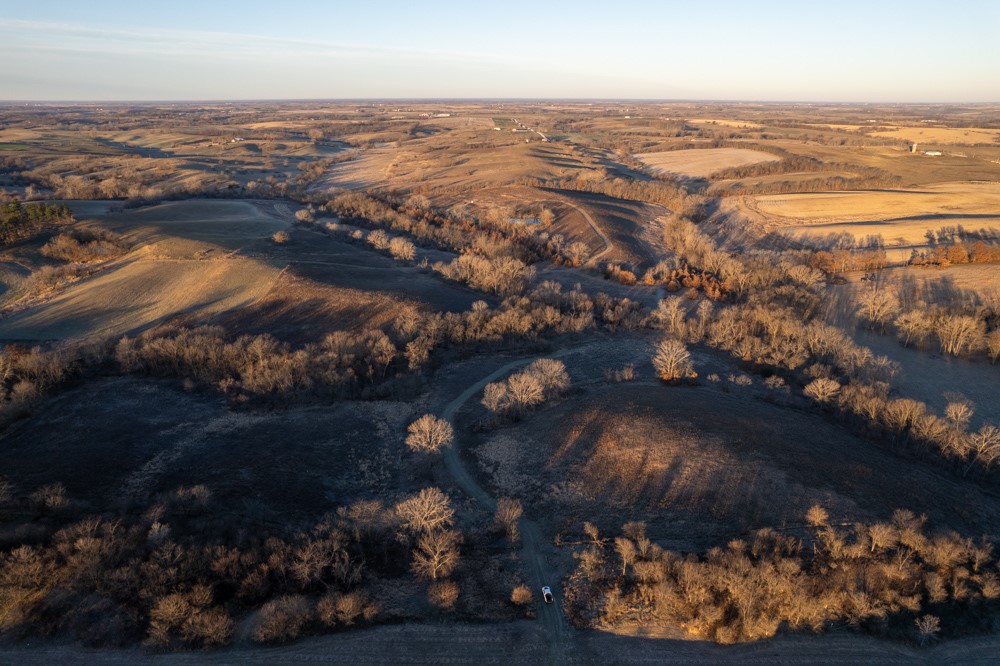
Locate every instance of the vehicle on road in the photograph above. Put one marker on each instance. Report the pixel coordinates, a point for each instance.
(547, 594)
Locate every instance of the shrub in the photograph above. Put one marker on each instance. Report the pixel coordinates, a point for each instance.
(281, 237)
(282, 619)
(623, 374)
(443, 594)
(402, 249)
(521, 595)
(84, 246)
(344, 609)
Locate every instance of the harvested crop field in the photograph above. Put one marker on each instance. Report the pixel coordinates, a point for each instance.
(900, 217)
(702, 162)
(947, 202)
(942, 135)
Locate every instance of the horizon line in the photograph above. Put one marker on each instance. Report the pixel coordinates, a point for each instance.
(646, 100)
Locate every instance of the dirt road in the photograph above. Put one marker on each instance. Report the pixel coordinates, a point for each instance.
(538, 569)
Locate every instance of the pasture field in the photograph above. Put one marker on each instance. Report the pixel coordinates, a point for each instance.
(942, 135)
(702, 162)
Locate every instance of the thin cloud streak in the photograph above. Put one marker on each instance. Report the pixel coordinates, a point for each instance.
(140, 41)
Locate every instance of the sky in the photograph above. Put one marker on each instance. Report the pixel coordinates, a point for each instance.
(874, 51)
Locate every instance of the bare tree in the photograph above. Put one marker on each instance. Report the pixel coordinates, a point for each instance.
(993, 344)
(672, 360)
(928, 627)
(878, 307)
(958, 411)
(669, 315)
(822, 389)
(436, 555)
(524, 391)
(508, 512)
(626, 550)
(495, 397)
(984, 445)
(428, 510)
(551, 374)
(429, 434)
(958, 333)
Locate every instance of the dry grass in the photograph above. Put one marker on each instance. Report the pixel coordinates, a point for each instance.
(703, 162)
(699, 463)
(942, 135)
(900, 217)
(139, 294)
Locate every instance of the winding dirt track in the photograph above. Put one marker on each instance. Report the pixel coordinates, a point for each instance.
(539, 570)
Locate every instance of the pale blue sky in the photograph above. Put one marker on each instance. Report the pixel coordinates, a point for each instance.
(834, 51)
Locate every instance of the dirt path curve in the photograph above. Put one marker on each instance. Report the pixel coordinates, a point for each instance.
(608, 245)
(540, 571)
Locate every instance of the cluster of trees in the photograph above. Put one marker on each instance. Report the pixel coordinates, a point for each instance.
(341, 365)
(864, 177)
(774, 329)
(656, 191)
(890, 578)
(842, 260)
(956, 331)
(543, 380)
(19, 220)
(408, 217)
(169, 577)
(503, 276)
(694, 280)
(396, 247)
(85, 245)
(957, 252)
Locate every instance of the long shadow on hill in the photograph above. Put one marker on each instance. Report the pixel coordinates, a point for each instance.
(697, 463)
(623, 221)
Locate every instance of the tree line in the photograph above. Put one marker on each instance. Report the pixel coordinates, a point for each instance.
(891, 578)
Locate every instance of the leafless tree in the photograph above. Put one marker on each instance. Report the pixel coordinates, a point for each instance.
(436, 555)
(928, 627)
(984, 446)
(551, 374)
(878, 306)
(495, 397)
(822, 389)
(429, 434)
(428, 510)
(959, 333)
(993, 344)
(524, 391)
(507, 514)
(672, 360)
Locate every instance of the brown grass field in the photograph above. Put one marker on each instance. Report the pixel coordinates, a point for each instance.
(702, 162)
